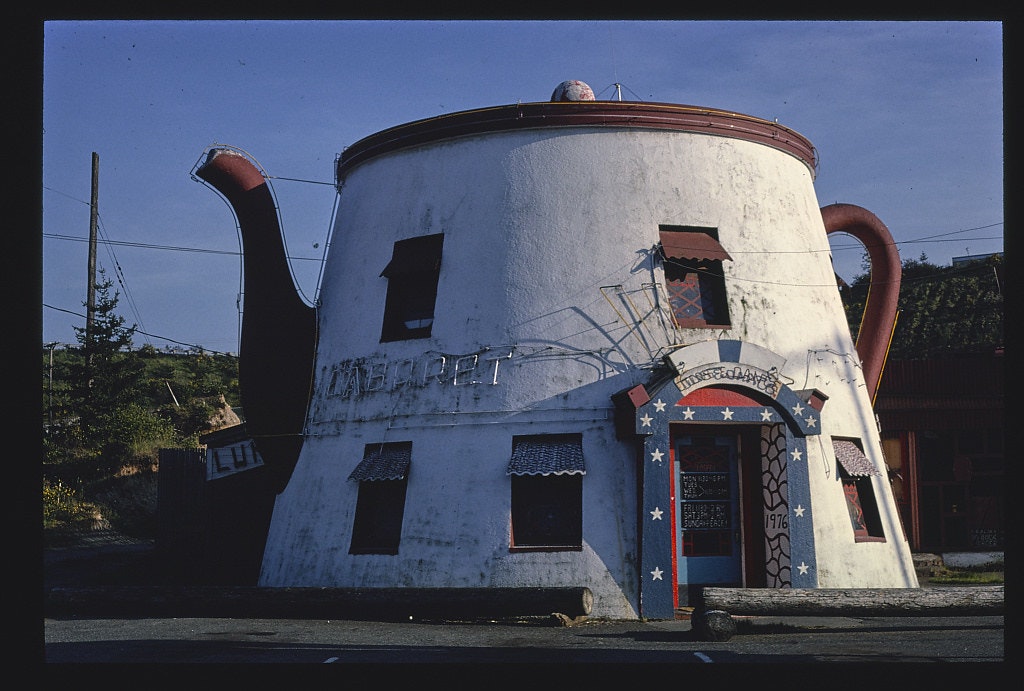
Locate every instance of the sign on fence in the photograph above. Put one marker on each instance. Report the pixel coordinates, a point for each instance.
(229, 460)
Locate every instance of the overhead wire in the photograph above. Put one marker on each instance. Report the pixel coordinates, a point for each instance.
(123, 243)
(121, 279)
(320, 277)
(104, 239)
(194, 346)
(109, 243)
(174, 248)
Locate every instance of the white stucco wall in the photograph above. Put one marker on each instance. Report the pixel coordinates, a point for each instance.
(535, 224)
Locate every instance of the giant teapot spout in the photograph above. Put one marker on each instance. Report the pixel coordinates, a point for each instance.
(278, 342)
(880, 308)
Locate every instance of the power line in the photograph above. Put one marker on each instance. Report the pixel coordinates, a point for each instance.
(311, 182)
(955, 232)
(142, 245)
(162, 338)
(109, 244)
(854, 246)
(149, 246)
(119, 273)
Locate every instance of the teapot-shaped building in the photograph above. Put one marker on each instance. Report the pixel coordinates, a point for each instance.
(571, 343)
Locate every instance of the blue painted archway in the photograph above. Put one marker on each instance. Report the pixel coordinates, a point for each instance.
(685, 394)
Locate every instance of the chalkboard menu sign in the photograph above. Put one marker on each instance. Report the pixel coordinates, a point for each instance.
(704, 460)
(704, 486)
(705, 515)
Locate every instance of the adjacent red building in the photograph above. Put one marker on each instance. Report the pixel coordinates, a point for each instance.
(943, 426)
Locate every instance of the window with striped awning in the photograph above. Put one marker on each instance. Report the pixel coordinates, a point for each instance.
(853, 459)
(387, 461)
(694, 278)
(549, 454)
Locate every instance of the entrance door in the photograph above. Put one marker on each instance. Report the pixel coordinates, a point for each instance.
(708, 526)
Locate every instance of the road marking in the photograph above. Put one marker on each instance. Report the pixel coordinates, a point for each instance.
(704, 657)
(330, 659)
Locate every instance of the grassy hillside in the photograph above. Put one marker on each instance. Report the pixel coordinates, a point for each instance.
(112, 483)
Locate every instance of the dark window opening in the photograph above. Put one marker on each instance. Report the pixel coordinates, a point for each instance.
(380, 506)
(694, 277)
(547, 492)
(547, 511)
(412, 275)
(855, 472)
(961, 485)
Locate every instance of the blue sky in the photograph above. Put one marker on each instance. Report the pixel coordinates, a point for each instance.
(907, 119)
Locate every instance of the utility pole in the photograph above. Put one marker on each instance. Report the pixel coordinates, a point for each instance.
(51, 346)
(90, 314)
(90, 311)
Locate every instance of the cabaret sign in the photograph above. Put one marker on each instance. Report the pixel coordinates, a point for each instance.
(355, 377)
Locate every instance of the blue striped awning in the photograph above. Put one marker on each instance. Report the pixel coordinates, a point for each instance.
(548, 454)
(853, 459)
(388, 461)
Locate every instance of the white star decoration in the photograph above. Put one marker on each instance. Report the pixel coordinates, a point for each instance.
(803, 568)
(688, 413)
(659, 405)
(656, 455)
(799, 511)
(766, 414)
(797, 409)
(656, 514)
(797, 454)
(810, 421)
(726, 413)
(646, 420)
(657, 573)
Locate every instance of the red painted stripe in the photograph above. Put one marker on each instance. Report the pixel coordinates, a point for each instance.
(712, 396)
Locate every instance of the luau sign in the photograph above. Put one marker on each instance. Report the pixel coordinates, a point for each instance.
(358, 376)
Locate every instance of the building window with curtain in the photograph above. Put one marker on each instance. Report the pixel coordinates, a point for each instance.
(694, 279)
(547, 492)
(382, 476)
(855, 472)
(412, 275)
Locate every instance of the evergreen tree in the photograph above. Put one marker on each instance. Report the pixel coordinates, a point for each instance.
(108, 376)
(113, 409)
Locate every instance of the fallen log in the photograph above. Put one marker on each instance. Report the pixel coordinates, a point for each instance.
(859, 602)
(713, 619)
(378, 604)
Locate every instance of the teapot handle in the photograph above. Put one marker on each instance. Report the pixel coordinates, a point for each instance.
(881, 306)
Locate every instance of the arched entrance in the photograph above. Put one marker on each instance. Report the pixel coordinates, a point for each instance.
(730, 495)
(724, 485)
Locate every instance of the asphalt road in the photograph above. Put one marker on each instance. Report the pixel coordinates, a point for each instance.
(293, 641)
(71, 640)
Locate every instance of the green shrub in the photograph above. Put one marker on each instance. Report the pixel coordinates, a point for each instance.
(133, 433)
(63, 506)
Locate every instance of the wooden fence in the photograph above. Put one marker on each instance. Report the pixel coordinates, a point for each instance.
(210, 532)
